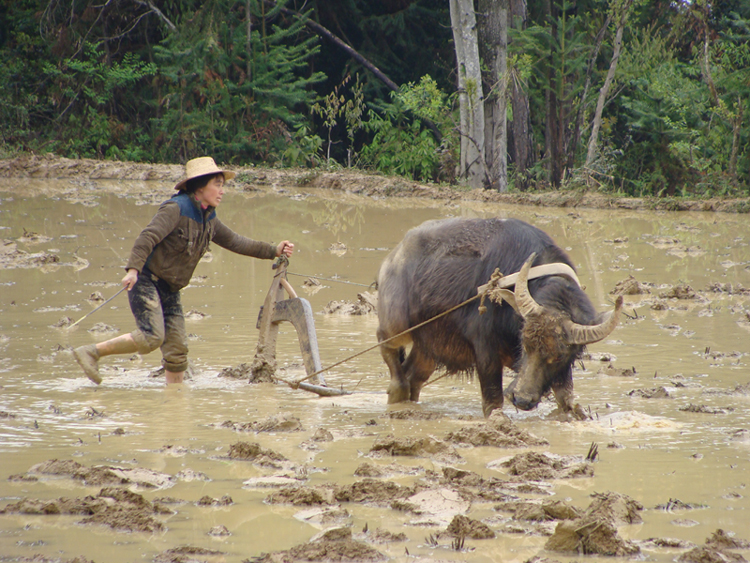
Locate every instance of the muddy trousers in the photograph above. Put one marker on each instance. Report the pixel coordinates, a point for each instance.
(160, 320)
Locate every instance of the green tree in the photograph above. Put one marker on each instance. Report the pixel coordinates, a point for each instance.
(207, 101)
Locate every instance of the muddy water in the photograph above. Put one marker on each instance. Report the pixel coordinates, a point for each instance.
(651, 449)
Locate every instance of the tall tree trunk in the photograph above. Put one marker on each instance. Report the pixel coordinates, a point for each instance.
(604, 92)
(551, 104)
(581, 112)
(248, 40)
(519, 134)
(492, 19)
(471, 98)
(736, 129)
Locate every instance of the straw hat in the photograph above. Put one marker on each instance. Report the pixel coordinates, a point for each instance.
(201, 167)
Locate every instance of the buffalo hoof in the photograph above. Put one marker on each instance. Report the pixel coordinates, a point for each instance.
(398, 394)
(489, 408)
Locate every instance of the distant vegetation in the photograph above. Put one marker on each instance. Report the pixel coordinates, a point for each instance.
(661, 87)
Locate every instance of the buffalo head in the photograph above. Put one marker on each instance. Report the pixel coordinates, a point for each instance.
(551, 342)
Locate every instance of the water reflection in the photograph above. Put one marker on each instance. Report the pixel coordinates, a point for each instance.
(653, 449)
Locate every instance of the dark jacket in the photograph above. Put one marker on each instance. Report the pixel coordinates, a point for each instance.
(178, 236)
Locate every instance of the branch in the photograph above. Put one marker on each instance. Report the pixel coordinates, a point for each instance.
(315, 26)
(158, 12)
(325, 32)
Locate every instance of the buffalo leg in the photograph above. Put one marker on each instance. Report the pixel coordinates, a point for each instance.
(563, 390)
(418, 369)
(392, 352)
(564, 398)
(490, 374)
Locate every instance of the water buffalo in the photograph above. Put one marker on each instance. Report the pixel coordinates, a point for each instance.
(539, 330)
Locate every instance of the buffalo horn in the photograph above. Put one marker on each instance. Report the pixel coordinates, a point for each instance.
(525, 302)
(588, 334)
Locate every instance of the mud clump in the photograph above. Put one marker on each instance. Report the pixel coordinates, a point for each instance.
(373, 491)
(207, 500)
(119, 509)
(188, 554)
(499, 431)
(612, 371)
(706, 554)
(64, 322)
(546, 511)
(703, 409)
(101, 475)
(615, 507)
(655, 393)
(462, 477)
(303, 496)
(464, 527)
(333, 545)
(412, 414)
(366, 304)
(281, 423)
(722, 540)
(630, 286)
(261, 371)
(385, 536)
(413, 447)
(255, 453)
(368, 469)
(11, 257)
(590, 536)
(596, 531)
(533, 466)
(682, 291)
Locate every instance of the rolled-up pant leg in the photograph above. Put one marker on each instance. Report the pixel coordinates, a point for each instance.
(160, 320)
(174, 349)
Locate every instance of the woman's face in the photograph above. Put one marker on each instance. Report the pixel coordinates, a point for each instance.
(210, 195)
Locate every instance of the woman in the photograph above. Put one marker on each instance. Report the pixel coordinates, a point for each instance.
(162, 262)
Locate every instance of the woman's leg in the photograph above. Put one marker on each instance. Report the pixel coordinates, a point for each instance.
(174, 376)
(175, 348)
(145, 304)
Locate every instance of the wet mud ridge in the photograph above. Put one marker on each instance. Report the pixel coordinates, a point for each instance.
(48, 166)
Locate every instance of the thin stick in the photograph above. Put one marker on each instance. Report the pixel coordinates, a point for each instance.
(99, 307)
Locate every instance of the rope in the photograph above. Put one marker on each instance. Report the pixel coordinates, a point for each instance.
(493, 281)
(328, 279)
(495, 289)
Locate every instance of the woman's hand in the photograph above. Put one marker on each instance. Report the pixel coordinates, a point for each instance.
(130, 278)
(285, 247)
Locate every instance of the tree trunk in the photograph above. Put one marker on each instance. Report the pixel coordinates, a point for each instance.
(493, 45)
(519, 134)
(604, 92)
(736, 130)
(471, 99)
(248, 39)
(580, 114)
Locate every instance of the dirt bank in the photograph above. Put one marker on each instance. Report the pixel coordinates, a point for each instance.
(49, 166)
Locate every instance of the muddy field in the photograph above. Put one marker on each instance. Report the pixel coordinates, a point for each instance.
(231, 468)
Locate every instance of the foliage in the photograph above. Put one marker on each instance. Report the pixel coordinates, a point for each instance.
(403, 146)
(121, 80)
(335, 106)
(216, 96)
(305, 148)
(95, 103)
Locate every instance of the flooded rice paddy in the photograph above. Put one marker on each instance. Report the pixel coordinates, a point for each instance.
(222, 470)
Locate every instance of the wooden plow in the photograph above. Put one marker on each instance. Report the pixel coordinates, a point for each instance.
(297, 311)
